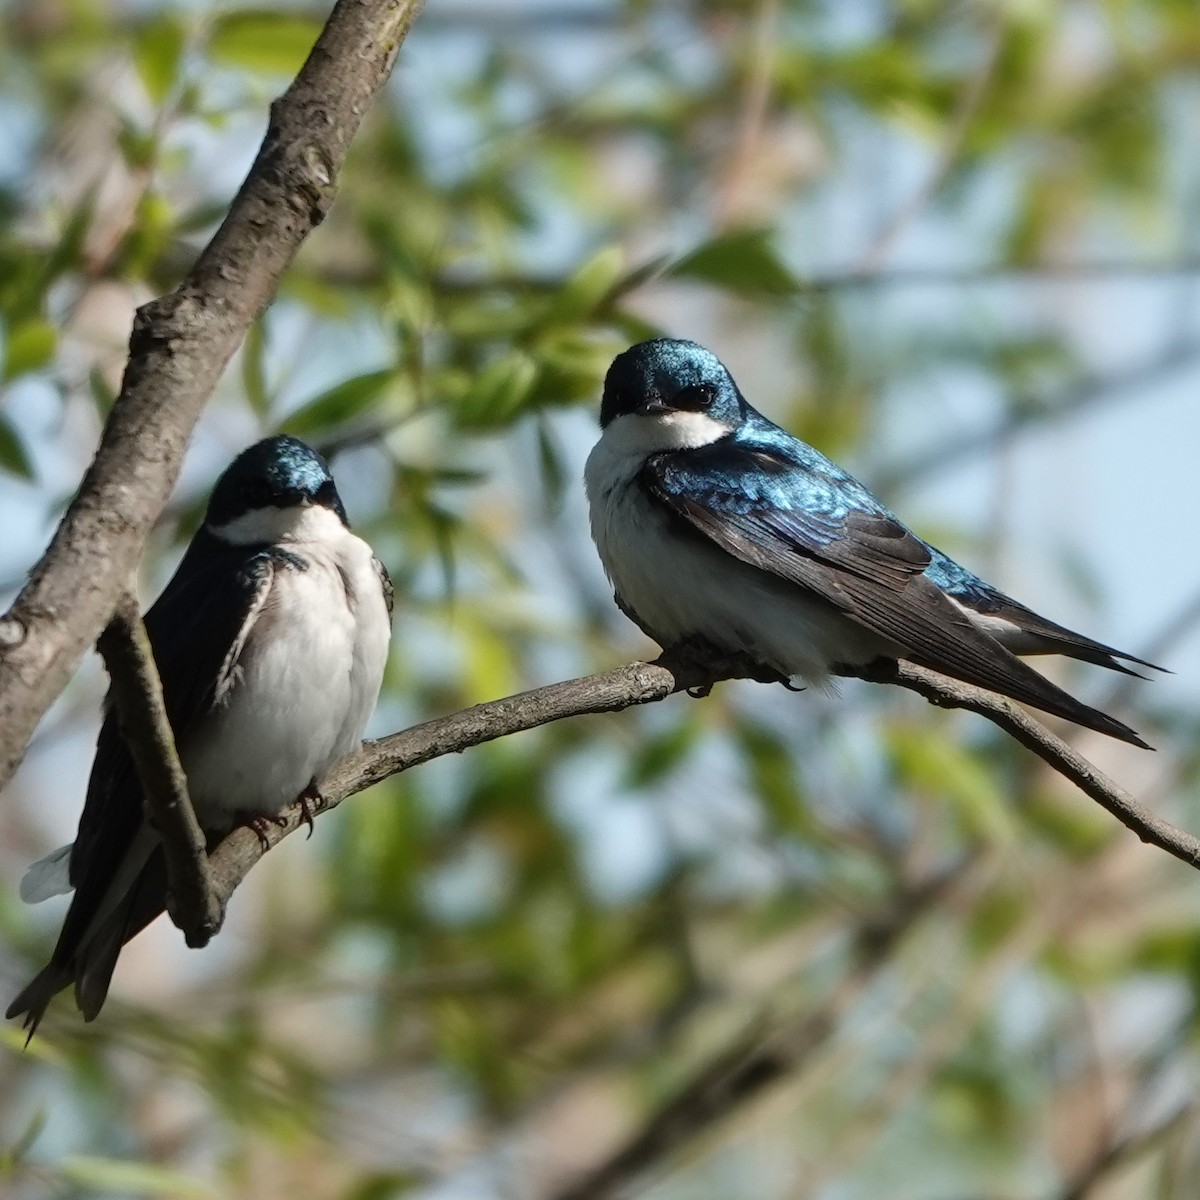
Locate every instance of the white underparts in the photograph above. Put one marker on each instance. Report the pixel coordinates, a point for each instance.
(633, 436)
(307, 673)
(1007, 633)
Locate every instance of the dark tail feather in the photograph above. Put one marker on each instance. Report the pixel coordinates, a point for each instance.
(1035, 634)
(1074, 645)
(33, 999)
(90, 970)
(90, 965)
(96, 963)
(1021, 682)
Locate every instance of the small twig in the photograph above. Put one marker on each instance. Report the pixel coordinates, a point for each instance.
(137, 694)
(1179, 627)
(1033, 735)
(1122, 1152)
(343, 274)
(753, 116)
(1089, 394)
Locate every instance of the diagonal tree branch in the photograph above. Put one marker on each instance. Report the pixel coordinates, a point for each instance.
(644, 683)
(137, 694)
(1033, 735)
(179, 346)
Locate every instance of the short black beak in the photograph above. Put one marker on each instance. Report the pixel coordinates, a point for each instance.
(654, 405)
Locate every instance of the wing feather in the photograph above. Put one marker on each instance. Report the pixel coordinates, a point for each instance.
(814, 526)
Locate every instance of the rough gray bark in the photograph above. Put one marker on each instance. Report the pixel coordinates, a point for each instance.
(142, 716)
(179, 346)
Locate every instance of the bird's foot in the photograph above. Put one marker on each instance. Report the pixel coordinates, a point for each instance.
(311, 802)
(260, 823)
(698, 656)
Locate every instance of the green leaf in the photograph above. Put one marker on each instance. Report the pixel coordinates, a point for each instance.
(121, 1175)
(157, 53)
(339, 404)
(254, 375)
(497, 393)
(29, 345)
(934, 765)
(14, 458)
(589, 285)
(772, 775)
(743, 262)
(271, 42)
(102, 395)
(13, 1157)
(659, 755)
(553, 471)
(384, 1186)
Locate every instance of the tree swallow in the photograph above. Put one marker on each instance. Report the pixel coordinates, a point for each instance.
(271, 640)
(717, 528)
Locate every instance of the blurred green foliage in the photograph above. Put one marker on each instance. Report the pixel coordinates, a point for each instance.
(481, 976)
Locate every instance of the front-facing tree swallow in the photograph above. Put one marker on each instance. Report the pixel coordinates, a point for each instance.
(718, 528)
(271, 640)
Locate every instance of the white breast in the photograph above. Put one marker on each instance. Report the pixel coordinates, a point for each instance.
(680, 585)
(306, 680)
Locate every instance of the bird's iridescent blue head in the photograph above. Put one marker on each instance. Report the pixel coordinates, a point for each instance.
(669, 375)
(279, 472)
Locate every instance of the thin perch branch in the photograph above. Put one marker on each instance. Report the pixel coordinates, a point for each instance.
(644, 683)
(137, 694)
(1033, 735)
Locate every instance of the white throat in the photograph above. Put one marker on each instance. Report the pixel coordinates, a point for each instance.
(645, 433)
(630, 439)
(300, 523)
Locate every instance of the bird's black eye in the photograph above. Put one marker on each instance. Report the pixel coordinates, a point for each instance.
(695, 398)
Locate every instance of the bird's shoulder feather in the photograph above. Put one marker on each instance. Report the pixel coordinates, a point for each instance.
(781, 500)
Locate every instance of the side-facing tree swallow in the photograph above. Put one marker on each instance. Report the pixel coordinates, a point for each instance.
(271, 640)
(718, 528)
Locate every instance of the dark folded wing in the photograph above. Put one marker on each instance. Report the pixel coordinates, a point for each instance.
(195, 628)
(773, 512)
(385, 583)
